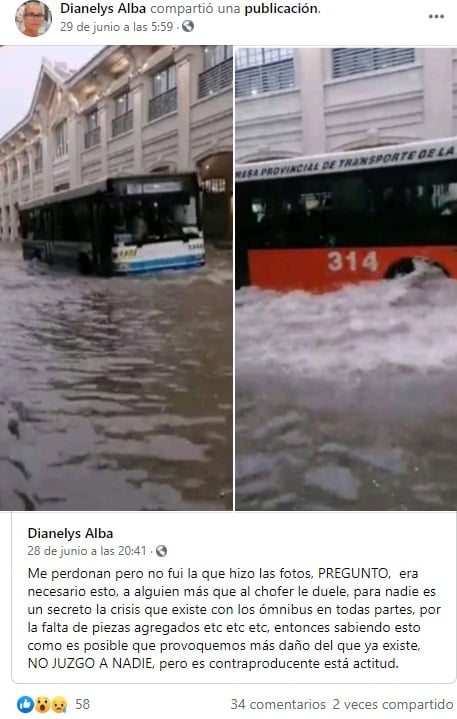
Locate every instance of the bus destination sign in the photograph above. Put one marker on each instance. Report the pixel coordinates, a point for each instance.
(340, 162)
(152, 188)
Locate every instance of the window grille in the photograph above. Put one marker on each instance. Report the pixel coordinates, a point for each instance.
(216, 78)
(260, 70)
(354, 61)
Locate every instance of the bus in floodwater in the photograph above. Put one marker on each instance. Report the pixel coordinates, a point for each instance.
(120, 225)
(318, 223)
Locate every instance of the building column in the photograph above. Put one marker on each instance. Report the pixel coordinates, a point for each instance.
(8, 223)
(3, 203)
(74, 149)
(438, 92)
(12, 212)
(184, 89)
(2, 219)
(19, 188)
(136, 90)
(310, 74)
(31, 169)
(48, 155)
(104, 135)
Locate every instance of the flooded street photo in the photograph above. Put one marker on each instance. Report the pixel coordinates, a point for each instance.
(347, 400)
(115, 394)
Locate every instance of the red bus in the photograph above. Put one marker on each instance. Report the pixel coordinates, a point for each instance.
(318, 223)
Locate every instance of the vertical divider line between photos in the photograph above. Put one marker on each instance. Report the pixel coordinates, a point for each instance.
(234, 47)
(455, 608)
(10, 602)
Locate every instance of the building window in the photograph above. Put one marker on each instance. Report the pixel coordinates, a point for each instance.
(164, 93)
(15, 172)
(218, 72)
(61, 187)
(5, 174)
(164, 81)
(161, 169)
(216, 54)
(61, 139)
(123, 115)
(25, 165)
(92, 120)
(92, 133)
(38, 157)
(122, 103)
(264, 69)
(214, 185)
(355, 61)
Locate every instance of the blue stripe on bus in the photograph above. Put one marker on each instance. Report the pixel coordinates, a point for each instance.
(171, 263)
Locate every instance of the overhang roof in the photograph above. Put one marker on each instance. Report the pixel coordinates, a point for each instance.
(60, 79)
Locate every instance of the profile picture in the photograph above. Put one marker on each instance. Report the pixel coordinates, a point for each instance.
(33, 18)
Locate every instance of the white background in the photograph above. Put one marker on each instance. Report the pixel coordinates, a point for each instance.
(211, 540)
(388, 23)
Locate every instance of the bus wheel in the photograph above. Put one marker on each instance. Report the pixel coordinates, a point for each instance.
(400, 269)
(84, 264)
(424, 267)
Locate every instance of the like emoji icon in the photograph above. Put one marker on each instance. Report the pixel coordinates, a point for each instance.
(25, 704)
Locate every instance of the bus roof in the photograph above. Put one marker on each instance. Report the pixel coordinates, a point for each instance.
(368, 158)
(106, 185)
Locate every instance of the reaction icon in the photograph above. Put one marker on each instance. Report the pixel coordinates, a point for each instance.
(25, 704)
(59, 705)
(42, 705)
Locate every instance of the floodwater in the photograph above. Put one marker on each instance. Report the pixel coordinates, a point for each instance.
(115, 394)
(348, 401)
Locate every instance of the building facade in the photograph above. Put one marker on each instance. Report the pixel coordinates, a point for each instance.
(140, 109)
(291, 102)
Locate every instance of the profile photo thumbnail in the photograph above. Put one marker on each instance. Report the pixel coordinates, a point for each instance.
(33, 18)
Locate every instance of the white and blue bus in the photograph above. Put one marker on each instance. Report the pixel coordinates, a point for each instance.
(120, 225)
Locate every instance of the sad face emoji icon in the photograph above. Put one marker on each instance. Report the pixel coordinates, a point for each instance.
(59, 705)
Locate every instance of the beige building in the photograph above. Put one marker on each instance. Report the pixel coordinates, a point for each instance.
(309, 101)
(140, 109)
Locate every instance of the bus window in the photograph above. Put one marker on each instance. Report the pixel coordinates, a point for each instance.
(185, 213)
(293, 217)
(345, 211)
(258, 209)
(391, 200)
(425, 200)
(171, 230)
(140, 229)
(149, 222)
(81, 212)
(115, 212)
(349, 193)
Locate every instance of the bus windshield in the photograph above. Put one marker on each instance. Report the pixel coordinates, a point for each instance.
(144, 220)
